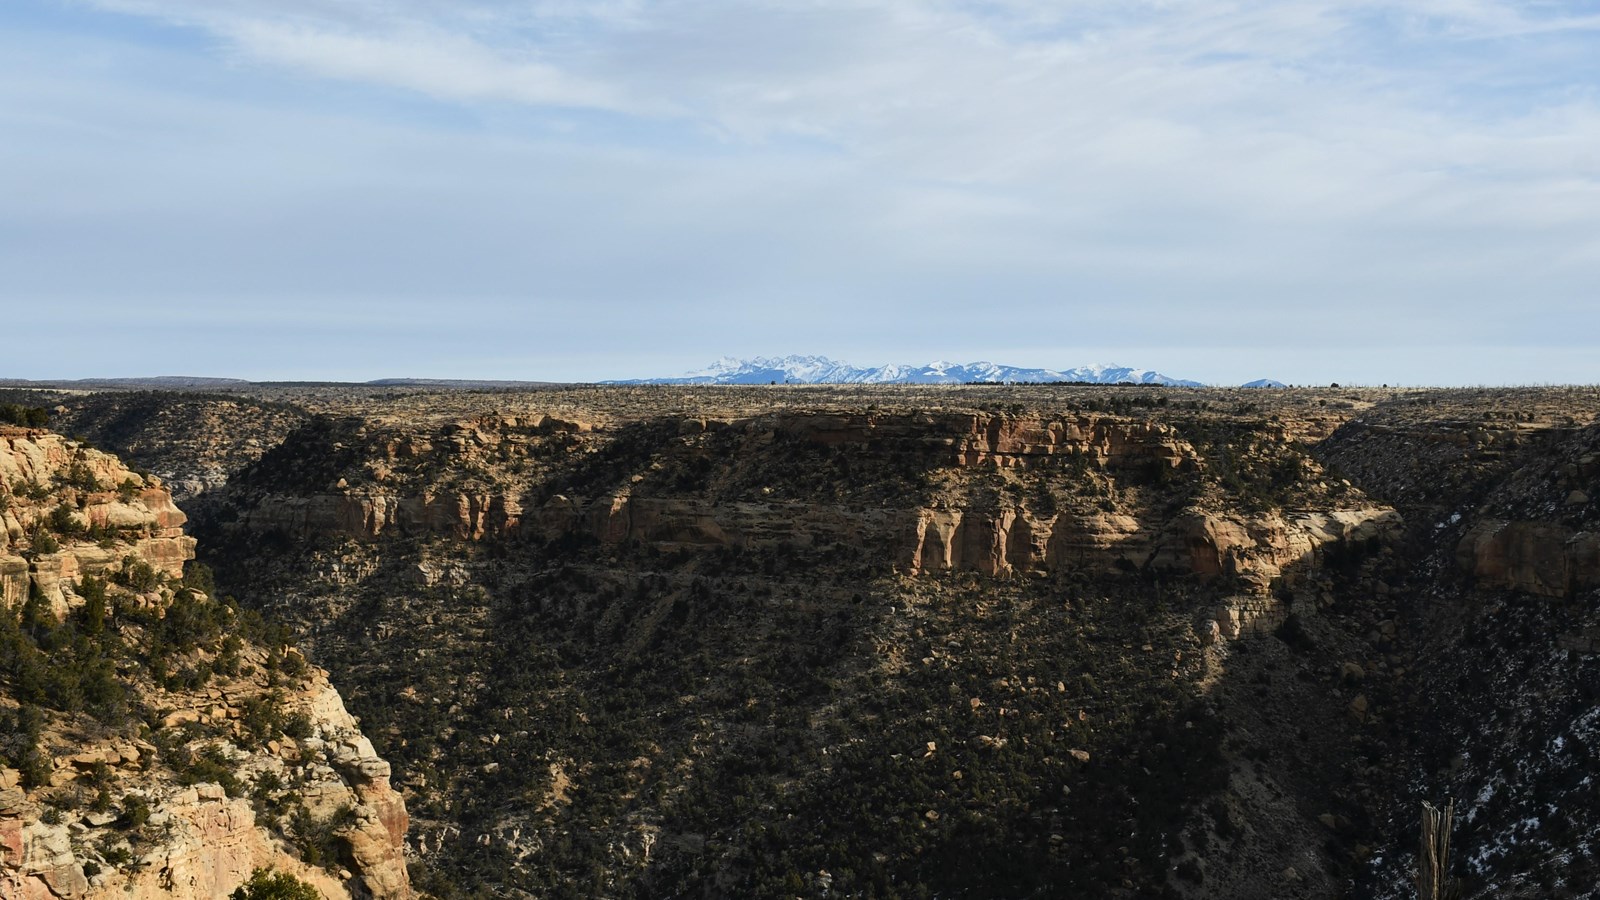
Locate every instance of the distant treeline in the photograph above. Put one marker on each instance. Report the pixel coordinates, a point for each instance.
(27, 416)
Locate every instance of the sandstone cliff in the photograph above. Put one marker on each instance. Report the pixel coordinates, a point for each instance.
(196, 840)
(391, 487)
(90, 494)
(154, 747)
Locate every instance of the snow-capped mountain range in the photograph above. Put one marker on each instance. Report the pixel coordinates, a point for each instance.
(821, 370)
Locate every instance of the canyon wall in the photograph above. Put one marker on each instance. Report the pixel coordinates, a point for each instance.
(1180, 644)
(102, 807)
(941, 530)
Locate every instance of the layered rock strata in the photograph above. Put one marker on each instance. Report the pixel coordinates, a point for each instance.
(955, 535)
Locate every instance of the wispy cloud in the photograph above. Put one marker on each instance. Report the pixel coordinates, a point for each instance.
(1005, 91)
(1156, 171)
(440, 65)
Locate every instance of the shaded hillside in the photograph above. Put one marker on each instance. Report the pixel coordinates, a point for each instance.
(901, 654)
(1502, 707)
(192, 441)
(948, 642)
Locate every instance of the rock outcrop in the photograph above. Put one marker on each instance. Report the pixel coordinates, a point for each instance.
(1259, 549)
(202, 842)
(91, 493)
(369, 515)
(103, 808)
(1543, 558)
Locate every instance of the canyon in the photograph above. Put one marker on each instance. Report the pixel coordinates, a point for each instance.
(871, 640)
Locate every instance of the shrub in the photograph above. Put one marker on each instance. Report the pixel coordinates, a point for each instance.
(211, 764)
(227, 662)
(264, 884)
(198, 576)
(135, 811)
(100, 776)
(297, 726)
(191, 621)
(262, 718)
(113, 851)
(138, 575)
(26, 416)
(267, 797)
(319, 840)
(93, 613)
(79, 476)
(29, 490)
(36, 770)
(62, 521)
(42, 542)
(294, 665)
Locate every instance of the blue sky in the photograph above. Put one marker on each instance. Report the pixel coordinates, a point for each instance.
(561, 190)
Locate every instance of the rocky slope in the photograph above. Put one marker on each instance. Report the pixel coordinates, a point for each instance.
(157, 742)
(193, 442)
(956, 642)
(1502, 707)
(645, 626)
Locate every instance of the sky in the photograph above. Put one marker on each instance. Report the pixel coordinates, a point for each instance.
(1308, 190)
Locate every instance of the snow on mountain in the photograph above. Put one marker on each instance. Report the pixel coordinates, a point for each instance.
(1263, 383)
(821, 370)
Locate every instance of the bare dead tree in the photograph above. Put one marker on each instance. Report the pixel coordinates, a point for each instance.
(1433, 857)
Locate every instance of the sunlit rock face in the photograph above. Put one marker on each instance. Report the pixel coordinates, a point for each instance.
(75, 517)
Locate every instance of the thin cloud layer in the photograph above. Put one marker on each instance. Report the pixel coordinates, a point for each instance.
(876, 180)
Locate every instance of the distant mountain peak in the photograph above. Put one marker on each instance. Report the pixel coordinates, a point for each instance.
(822, 370)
